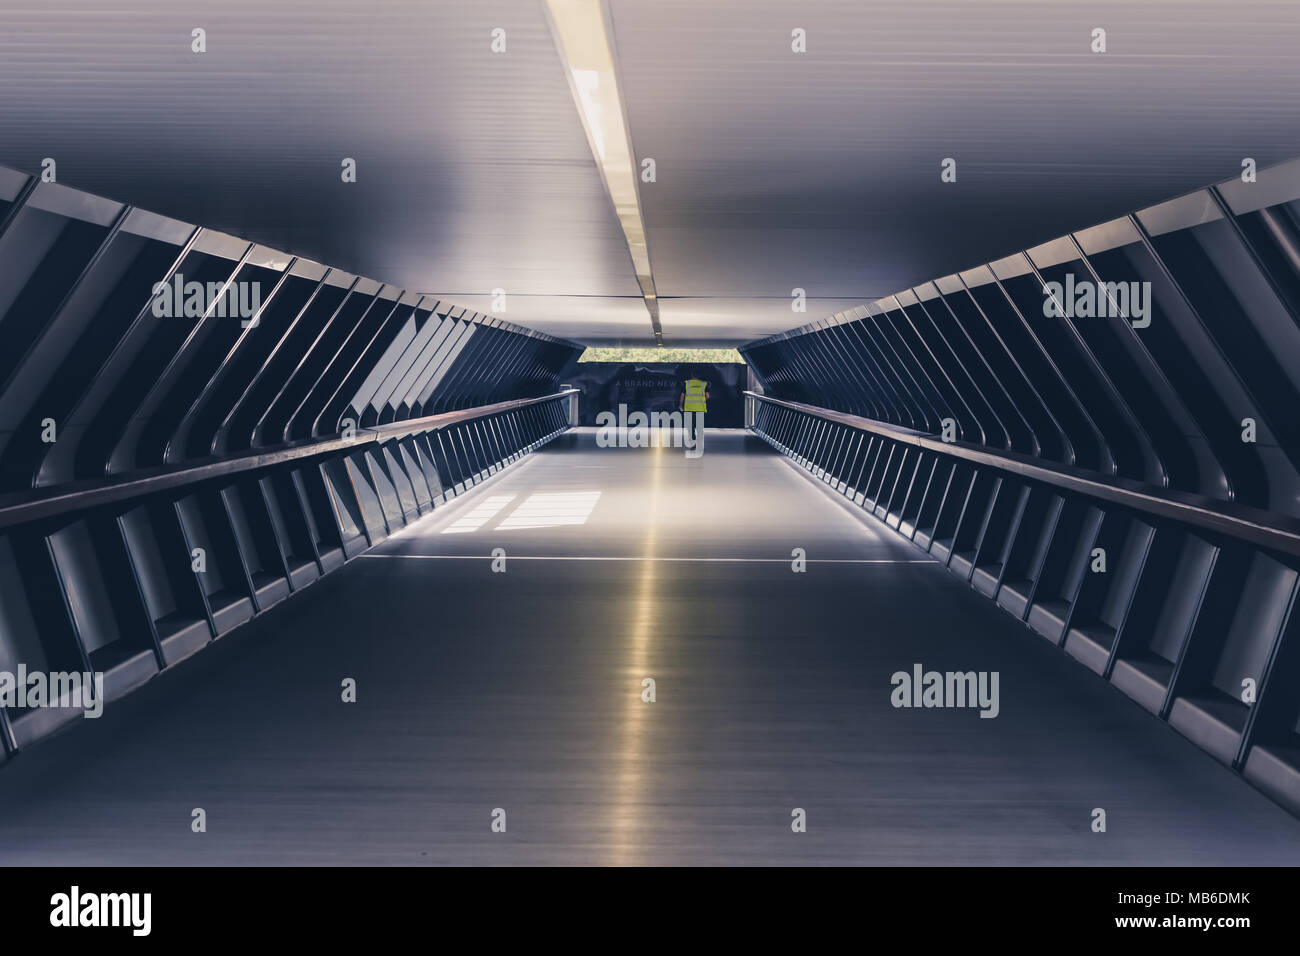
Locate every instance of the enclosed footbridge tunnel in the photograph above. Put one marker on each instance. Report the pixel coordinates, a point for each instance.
(340, 501)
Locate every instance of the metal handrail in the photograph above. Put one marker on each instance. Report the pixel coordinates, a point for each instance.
(40, 503)
(1266, 529)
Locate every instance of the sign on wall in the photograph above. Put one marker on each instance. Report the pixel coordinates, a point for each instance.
(656, 387)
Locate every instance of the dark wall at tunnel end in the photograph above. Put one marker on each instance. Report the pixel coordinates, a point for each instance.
(655, 387)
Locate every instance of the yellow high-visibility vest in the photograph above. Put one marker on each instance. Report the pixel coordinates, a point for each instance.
(695, 391)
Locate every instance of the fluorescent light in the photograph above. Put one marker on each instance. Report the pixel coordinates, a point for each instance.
(581, 32)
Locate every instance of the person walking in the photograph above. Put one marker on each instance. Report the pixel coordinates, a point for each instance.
(694, 402)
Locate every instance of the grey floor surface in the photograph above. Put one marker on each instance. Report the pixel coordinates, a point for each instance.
(523, 690)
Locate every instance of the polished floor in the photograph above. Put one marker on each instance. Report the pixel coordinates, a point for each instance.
(520, 690)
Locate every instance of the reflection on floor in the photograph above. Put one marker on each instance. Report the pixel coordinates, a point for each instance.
(518, 682)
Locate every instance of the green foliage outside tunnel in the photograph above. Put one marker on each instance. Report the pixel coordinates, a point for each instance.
(677, 356)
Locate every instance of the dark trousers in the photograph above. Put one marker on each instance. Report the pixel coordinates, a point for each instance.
(694, 424)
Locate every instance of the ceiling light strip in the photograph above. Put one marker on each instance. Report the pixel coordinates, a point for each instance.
(581, 32)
